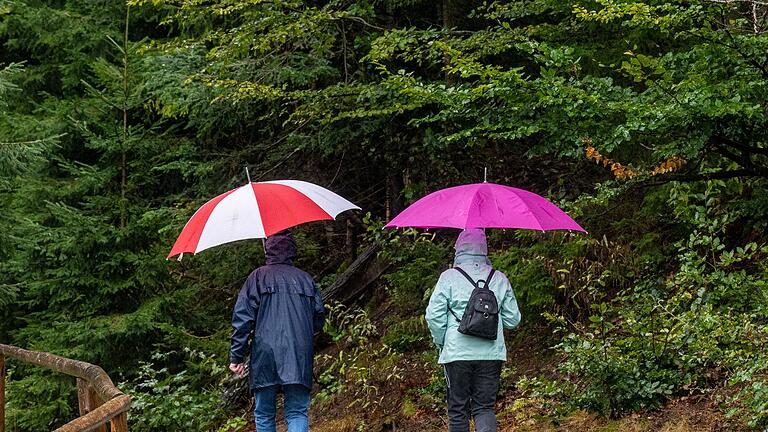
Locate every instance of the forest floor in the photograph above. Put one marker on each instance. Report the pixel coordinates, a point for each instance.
(408, 407)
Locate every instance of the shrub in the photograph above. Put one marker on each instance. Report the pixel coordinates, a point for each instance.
(166, 399)
(410, 334)
(360, 369)
(416, 274)
(417, 260)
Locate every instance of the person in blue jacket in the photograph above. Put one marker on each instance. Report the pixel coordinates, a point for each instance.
(472, 364)
(277, 313)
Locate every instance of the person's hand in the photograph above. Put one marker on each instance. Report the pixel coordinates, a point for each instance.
(237, 368)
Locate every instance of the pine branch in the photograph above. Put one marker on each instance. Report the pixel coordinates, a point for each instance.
(33, 142)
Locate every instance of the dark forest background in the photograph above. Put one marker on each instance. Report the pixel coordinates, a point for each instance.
(644, 120)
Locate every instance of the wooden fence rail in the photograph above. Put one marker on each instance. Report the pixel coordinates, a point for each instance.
(101, 404)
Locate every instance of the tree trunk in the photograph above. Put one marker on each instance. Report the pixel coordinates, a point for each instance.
(449, 12)
(394, 194)
(124, 145)
(351, 240)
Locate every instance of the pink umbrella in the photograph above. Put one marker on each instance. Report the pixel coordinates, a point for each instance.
(257, 210)
(484, 205)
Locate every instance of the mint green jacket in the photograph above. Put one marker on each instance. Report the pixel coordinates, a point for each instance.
(453, 290)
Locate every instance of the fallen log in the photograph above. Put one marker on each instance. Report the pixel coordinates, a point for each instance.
(358, 278)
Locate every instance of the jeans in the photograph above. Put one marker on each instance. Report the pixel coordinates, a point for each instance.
(296, 408)
(472, 388)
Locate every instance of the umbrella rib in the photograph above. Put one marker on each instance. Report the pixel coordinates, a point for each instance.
(535, 217)
(471, 206)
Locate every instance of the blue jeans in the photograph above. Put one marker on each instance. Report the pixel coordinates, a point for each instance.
(296, 408)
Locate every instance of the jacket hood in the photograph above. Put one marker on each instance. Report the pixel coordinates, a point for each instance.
(280, 248)
(472, 250)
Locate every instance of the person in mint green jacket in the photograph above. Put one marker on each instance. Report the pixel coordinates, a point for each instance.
(472, 364)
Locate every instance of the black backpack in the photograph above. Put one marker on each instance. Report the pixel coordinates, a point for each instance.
(481, 317)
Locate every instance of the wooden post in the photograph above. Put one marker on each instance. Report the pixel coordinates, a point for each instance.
(82, 397)
(96, 400)
(88, 400)
(2, 393)
(119, 423)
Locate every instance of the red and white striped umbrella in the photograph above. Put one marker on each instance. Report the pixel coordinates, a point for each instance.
(257, 210)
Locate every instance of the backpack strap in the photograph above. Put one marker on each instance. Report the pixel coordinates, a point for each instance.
(456, 317)
(472, 281)
(469, 278)
(490, 276)
(474, 284)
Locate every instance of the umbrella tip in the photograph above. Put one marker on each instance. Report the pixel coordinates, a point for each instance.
(485, 175)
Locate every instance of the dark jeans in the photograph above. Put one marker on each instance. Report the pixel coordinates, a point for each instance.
(472, 385)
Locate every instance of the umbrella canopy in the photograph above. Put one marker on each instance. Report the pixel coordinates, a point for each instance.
(257, 210)
(484, 205)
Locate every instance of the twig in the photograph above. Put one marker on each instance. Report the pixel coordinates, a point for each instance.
(37, 141)
(284, 137)
(278, 164)
(721, 175)
(344, 52)
(753, 2)
(196, 337)
(749, 59)
(719, 139)
(364, 22)
(338, 169)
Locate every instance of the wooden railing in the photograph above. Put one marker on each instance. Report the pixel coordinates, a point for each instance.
(101, 403)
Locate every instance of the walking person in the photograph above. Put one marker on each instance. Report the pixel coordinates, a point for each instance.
(472, 364)
(277, 312)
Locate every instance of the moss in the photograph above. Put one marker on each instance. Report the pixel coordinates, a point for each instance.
(409, 408)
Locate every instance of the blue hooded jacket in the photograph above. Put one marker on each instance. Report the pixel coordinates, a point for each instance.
(277, 312)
